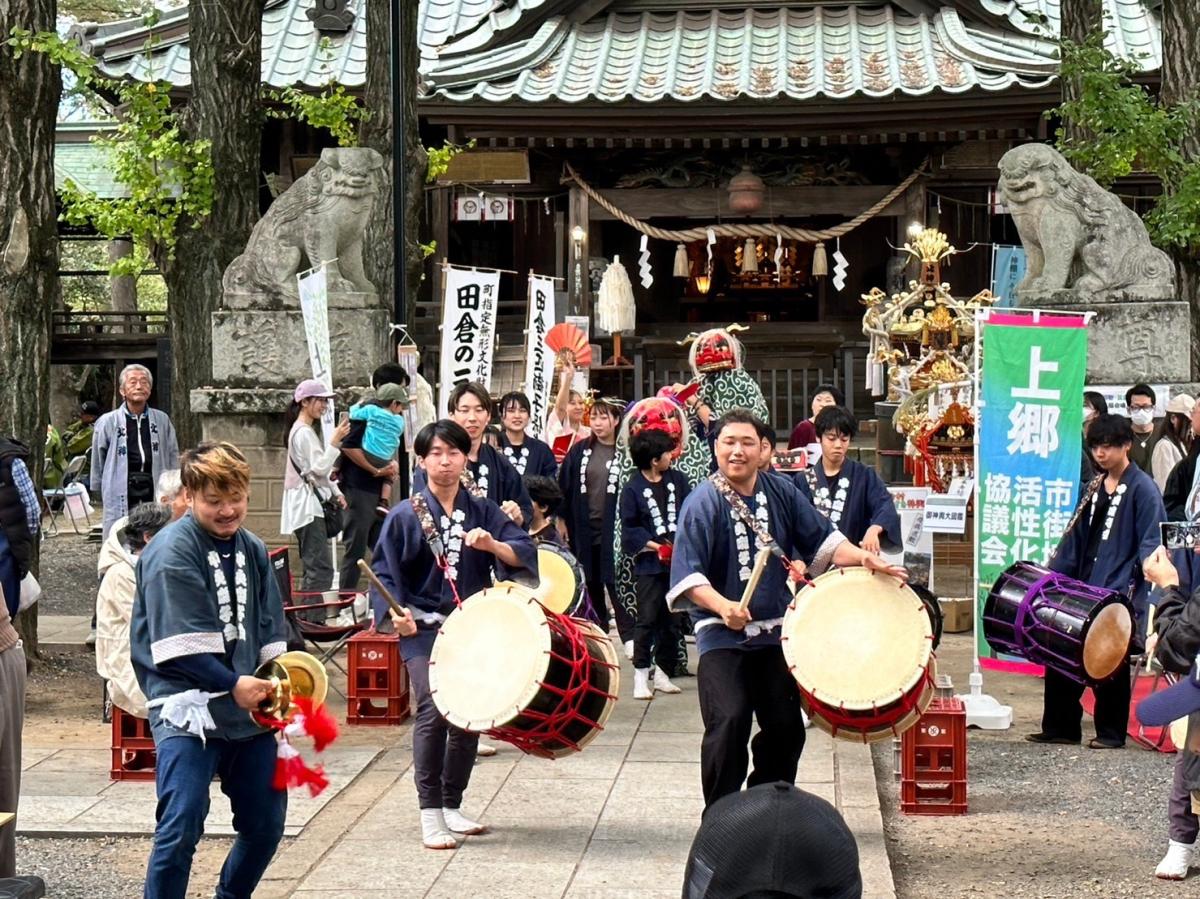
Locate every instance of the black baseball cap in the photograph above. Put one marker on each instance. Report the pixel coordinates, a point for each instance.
(1177, 701)
(772, 840)
(89, 407)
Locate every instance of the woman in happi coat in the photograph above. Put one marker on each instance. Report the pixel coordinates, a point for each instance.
(851, 495)
(588, 479)
(443, 524)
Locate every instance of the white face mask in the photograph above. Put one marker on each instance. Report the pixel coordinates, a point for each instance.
(1141, 417)
(1088, 413)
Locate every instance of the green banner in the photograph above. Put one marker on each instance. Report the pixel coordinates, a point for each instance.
(1029, 439)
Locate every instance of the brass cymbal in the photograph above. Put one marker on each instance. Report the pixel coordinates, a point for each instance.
(293, 674)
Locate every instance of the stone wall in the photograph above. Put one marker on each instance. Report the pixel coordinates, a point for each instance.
(261, 437)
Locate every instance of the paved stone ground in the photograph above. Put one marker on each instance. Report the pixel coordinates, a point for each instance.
(616, 820)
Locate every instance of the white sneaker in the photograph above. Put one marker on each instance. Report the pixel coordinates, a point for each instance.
(629, 650)
(641, 684)
(662, 684)
(806, 719)
(485, 750)
(1174, 865)
(434, 832)
(460, 824)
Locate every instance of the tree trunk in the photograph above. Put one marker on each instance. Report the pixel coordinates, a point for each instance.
(28, 240)
(1180, 81)
(225, 109)
(376, 132)
(1080, 18)
(122, 289)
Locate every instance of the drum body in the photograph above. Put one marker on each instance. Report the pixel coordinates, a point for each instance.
(560, 581)
(505, 666)
(1080, 631)
(859, 644)
(933, 608)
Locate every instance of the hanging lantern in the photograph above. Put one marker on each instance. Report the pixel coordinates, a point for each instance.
(820, 263)
(682, 268)
(750, 256)
(746, 192)
(703, 283)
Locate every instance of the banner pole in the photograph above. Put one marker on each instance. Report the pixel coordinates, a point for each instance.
(983, 711)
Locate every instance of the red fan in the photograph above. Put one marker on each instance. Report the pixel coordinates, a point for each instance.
(569, 343)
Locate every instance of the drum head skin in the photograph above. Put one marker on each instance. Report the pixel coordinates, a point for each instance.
(490, 658)
(559, 581)
(1107, 641)
(857, 639)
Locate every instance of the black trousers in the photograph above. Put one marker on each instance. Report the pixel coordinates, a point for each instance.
(361, 532)
(736, 685)
(598, 588)
(655, 635)
(1062, 713)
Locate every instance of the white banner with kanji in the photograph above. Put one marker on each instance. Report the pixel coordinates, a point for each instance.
(314, 306)
(468, 329)
(539, 360)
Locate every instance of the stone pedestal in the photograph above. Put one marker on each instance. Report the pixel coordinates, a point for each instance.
(1130, 340)
(255, 347)
(260, 354)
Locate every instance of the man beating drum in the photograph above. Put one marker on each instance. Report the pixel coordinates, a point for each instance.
(439, 547)
(723, 525)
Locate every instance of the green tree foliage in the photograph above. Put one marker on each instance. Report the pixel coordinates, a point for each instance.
(167, 177)
(1129, 129)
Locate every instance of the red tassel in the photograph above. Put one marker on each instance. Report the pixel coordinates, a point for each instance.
(292, 772)
(318, 723)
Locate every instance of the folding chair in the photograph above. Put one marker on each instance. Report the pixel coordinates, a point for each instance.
(61, 493)
(324, 640)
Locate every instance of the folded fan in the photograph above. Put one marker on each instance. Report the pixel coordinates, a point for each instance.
(568, 342)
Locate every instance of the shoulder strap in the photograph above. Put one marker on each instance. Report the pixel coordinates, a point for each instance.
(471, 485)
(306, 478)
(1084, 501)
(740, 509)
(432, 535)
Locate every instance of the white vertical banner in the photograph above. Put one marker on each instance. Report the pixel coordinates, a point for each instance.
(539, 361)
(468, 329)
(314, 304)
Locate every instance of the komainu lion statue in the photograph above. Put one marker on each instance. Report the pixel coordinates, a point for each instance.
(1077, 235)
(320, 218)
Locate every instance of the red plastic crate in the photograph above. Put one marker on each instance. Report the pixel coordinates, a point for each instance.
(933, 761)
(377, 689)
(133, 756)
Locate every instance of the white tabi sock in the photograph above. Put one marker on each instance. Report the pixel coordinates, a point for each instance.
(1174, 865)
(434, 833)
(458, 823)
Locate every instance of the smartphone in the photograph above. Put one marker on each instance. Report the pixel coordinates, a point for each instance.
(1180, 535)
(343, 418)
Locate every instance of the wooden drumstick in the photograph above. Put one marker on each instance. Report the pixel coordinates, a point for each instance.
(760, 565)
(383, 591)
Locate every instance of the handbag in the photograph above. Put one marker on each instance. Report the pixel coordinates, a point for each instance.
(331, 510)
(31, 592)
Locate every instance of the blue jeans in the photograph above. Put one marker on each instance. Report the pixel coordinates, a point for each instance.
(184, 771)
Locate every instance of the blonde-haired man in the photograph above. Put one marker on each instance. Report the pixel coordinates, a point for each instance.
(207, 613)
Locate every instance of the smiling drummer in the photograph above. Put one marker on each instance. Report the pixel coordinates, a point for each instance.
(723, 524)
(443, 539)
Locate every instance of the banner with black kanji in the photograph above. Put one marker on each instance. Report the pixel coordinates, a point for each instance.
(468, 329)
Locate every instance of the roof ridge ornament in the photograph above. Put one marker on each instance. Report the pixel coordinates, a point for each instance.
(331, 15)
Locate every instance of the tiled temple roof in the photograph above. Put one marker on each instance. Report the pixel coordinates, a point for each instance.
(548, 51)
